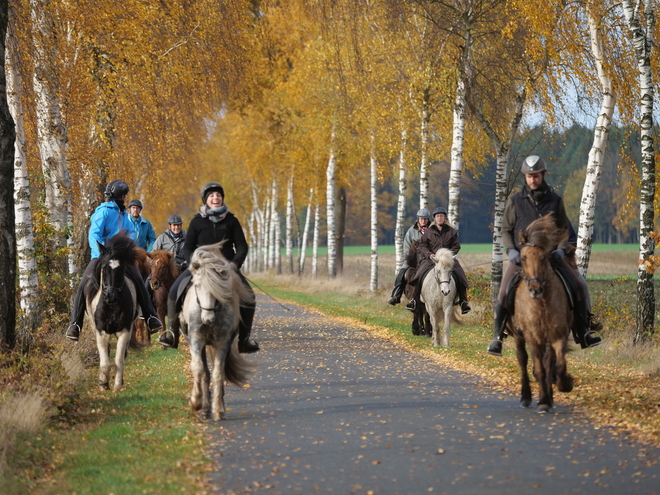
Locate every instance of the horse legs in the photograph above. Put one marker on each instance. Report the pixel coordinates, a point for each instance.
(102, 341)
(433, 314)
(447, 310)
(218, 400)
(123, 338)
(539, 361)
(564, 379)
(525, 388)
(199, 398)
(428, 328)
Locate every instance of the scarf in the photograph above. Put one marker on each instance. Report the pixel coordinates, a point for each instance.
(214, 215)
(175, 236)
(539, 193)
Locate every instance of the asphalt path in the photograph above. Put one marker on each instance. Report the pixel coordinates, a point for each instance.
(335, 409)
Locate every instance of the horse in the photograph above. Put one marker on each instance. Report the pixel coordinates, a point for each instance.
(421, 324)
(111, 301)
(210, 317)
(543, 316)
(163, 274)
(439, 293)
(143, 264)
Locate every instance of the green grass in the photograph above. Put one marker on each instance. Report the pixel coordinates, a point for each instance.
(143, 439)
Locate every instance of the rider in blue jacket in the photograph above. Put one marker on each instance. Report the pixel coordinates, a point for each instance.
(109, 219)
(145, 236)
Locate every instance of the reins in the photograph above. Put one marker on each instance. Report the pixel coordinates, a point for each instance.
(531, 279)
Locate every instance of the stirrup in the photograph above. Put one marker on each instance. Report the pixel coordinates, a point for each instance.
(156, 327)
(73, 332)
(162, 340)
(596, 339)
(412, 305)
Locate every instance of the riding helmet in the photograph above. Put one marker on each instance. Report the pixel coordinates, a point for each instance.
(209, 188)
(174, 220)
(532, 165)
(439, 209)
(135, 202)
(423, 213)
(116, 189)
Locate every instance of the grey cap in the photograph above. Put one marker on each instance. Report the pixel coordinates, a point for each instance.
(532, 165)
(136, 202)
(439, 209)
(423, 213)
(174, 219)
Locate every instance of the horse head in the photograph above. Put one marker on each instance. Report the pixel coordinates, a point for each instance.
(444, 265)
(161, 268)
(112, 263)
(538, 240)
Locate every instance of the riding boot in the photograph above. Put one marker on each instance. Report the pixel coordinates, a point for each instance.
(77, 314)
(583, 334)
(501, 315)
(245, 344)
(399, 286)
(463, 300)
(167, 337)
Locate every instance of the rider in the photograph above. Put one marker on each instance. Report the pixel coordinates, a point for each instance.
(144, 232)
(172, 241)
(536, 199)
(109, 219)
(414, 234)
(214, 223)
(440, 235)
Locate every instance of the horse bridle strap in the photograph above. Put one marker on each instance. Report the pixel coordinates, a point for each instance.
(217, 304)
(531, 279)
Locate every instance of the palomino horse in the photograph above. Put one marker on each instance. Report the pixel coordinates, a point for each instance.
(210, 317)
(112, 306)
(543, 315)
(163, 274)
(438, 294)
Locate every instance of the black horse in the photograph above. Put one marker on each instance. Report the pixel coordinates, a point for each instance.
(112, 305)
(421, 324)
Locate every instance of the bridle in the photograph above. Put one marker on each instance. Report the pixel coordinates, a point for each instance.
(531, 279)
(217, 304)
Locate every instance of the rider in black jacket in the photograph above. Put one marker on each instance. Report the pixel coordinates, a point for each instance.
(214, 223)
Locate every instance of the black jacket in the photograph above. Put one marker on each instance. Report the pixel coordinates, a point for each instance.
(203, 232)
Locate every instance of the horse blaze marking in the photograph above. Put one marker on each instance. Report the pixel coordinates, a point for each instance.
(114, 264)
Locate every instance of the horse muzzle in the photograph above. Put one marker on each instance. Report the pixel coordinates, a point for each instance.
(208, 317)
(155, 284)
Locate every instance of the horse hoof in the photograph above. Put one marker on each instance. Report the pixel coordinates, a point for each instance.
(525, 403)
(218, 417)
(203, 415)
(543, 409)
(104, 386)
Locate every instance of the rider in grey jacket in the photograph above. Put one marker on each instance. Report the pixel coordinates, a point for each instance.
(172, 241)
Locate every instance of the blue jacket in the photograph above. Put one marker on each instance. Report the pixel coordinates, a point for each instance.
(106, 222)
(145, 236)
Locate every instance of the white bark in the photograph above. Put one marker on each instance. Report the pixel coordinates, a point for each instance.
(457, 145)
(642, 41)
(597, 152)
(373, 281)
(289, 226)
(305, 235)
(315, 241)
(401, 203)
(274, 221)
(424, 165)
(25, 252)
(51, 132)
(261, 230)
(330, 211)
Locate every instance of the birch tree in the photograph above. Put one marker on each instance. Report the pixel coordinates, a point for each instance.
(373, 172)
(303, 243)
(330, 211)
(401, 202)
(640, 19)
(288, 236)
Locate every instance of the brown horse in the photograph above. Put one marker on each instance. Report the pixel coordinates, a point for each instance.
(421, 324)
(543, 315)
(163, 274)
(143, 264)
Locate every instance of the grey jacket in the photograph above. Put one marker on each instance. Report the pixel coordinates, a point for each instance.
(413, 234)
(167, 242)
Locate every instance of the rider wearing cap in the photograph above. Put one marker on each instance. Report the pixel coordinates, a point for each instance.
(172, 240)
(109, 219)
(414, 234)
(440, 235)
(214, 223)
(535, 200)
(144, 231)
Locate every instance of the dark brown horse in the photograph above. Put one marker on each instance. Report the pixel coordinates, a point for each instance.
(421, 324)
(163, 274)
(543, 315)
(143, 264)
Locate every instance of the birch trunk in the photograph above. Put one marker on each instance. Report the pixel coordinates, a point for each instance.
(597, 152)
(303, 243)
(401, 203)
(458, 132)
(51, 132)
(260, 234)
(315, 241)
(330, 211)
(373, 282)
(25, 252)
(642, 41)
(272, 230)
(277, 243)
(424, 151)
(289, 226)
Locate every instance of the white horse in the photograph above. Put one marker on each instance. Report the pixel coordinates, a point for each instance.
(210, 317)
(438, 294)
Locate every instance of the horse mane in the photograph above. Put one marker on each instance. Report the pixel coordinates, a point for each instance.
(217, 275)
(171, 265)
(444, 257)
(122, 248)
(411, 259)
(544, 233)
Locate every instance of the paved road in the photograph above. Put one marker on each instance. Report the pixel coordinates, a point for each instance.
(333, 409)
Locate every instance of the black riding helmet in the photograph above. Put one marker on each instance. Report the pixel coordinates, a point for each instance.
(116, 189)
(135, 202)
(439, 209)
(209, 188)
(174, 220)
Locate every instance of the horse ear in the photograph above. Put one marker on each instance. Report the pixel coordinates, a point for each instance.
(150, 255)
(195, 266)
(523, 237)
(102, 248)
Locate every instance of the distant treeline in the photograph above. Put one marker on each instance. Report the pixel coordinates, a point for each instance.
(566, 153)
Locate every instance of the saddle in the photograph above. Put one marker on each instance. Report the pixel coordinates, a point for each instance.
(183, 290)
(567, 279)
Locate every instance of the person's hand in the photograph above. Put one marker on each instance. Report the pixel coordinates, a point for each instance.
(558, 254)
(432, 256)
(514, 256)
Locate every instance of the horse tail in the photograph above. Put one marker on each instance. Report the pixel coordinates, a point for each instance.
(238, 369)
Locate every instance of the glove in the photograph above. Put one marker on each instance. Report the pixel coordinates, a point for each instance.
(514, 256)
(558, 254)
